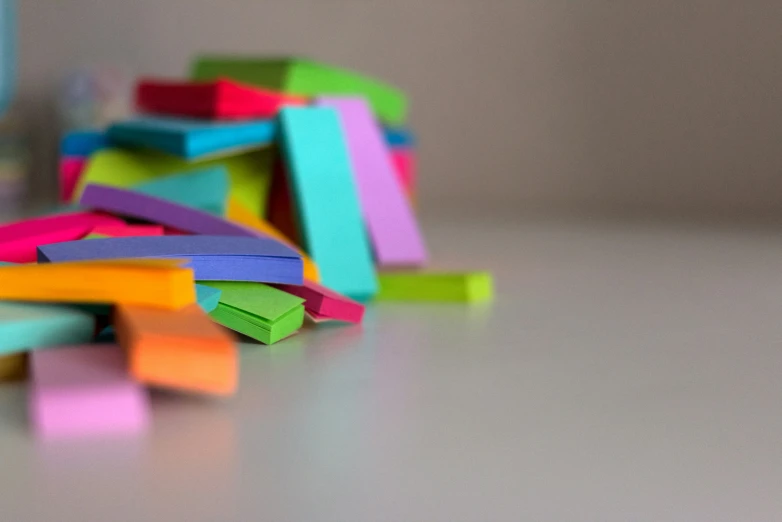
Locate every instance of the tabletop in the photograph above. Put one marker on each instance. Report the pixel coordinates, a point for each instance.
(625, 371)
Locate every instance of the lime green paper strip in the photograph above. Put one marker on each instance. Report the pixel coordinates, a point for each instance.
(250, 173)
(303, 77)
(469, 287)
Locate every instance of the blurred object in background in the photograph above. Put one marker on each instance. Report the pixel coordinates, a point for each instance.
(93, 97)
(14, 161)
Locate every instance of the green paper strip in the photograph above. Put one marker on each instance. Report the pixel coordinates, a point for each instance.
(470, 287)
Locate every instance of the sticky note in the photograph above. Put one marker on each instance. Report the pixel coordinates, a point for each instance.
(399, 137)
(238, 213)
(19, 239)
(390, 220)
(472, 287)
(219, 99)
(127, 231)
(85, 390)
(82, 143)
(305, 78)
(160, 283)
(208, 298)
(13, 367)
(149, 208)
(406, 168)
(204, 189)
(323, 303)
(212, 258)
(326, 199)
(250, 172)
(70, 171)
(182, 350)
(25, 326)
(258, 311)
(192, 139)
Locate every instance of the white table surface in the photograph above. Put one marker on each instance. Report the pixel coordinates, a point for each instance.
(624, 373)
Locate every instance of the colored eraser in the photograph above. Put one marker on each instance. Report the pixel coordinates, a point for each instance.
(208, 298)
(304, 77)
(25, 326)
(472, 287)
(82, 143)
(399, 137)
(326, 198)
(150, 208)
(212, 258)
(85, 391)
(183, 350)
(238, 213)
(19, 239)
(250, 172)
(219, 99)
(258, 311)
(323, 303)
(390, 220)
(191, 139)
(127, 231)
(159, 283)
(204, 189)
(70, 171)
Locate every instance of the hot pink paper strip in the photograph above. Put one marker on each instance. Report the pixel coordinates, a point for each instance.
(325, 304)
(389, 217)
(405, 165)
(71, 168)
(20, 239)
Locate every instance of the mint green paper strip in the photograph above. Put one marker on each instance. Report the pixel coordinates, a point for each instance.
(205, 189)
(329, 214)
(208, 298)
(26, 326)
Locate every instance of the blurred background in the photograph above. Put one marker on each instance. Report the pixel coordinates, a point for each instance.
(667, 109)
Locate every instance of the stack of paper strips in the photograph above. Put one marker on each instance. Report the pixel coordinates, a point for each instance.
(470, 287)
(181, 350)
(219, 99)
(85, 390)
(191, 139)
(212, 258)
(303, 77)
(19, 240)
(323, 304)
(258, 311)
(25, 326)
(160, 283)
(283, 186)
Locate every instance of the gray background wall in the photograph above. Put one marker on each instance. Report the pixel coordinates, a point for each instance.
(595, 106)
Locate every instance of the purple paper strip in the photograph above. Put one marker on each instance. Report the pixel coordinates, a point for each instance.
(141, 206)
(390, 219)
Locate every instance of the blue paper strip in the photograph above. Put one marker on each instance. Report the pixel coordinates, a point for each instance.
(213, 258)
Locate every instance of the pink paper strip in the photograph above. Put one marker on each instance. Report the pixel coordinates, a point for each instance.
(71, 168)
(323, 303)
(389, 217)
(129, 230)
(85, 390)
(20, 239)
(405, 165)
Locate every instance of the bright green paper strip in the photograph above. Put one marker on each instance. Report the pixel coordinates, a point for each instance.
(257, 310)
(26, 326)
(305, 78)
(471, 287)
(250, 172)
